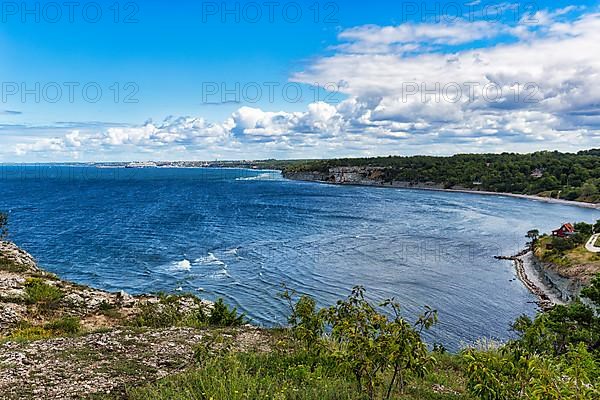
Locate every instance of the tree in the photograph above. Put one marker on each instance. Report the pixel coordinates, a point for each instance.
(589, 189)
(370, 344)
(3, 225)
(583, 227)
(592, 292)
(597, 226)
(533, 234)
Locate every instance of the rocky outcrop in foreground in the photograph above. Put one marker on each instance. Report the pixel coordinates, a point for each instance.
(60, 340)
(108, 362)
(95, 308)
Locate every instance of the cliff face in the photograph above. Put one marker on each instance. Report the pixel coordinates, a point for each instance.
(566, 288)
(367, 176)
(343, 175)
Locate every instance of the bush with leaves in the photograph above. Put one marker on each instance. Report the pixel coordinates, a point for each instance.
(306, 320)
(371, 344)
(43, 294)
(511, 373)
(222, 315)
(381, 352)
(564, 325)
(555, 357)
(583, 227)
(534, 235)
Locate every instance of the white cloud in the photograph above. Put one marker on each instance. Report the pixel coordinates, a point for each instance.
(410, 37)
(386, 74)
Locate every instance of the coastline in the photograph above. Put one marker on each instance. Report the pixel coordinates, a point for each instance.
(546, 292)
(594, 206)
(526, 268)
(532, 280)
(432, 187)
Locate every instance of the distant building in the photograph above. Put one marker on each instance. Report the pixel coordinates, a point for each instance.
(537, 173)
(564, 231)
(141, 164)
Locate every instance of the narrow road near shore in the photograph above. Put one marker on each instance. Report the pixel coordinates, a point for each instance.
(590, 244)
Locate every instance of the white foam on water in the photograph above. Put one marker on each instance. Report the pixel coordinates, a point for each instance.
(221, 274)
(210, 259)
(267, 176)
(234, 252)
(183, 265)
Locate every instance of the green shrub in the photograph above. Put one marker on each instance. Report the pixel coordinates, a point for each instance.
(371, 344)
(516, 374)
(382, 353)
(307, 322)
(583, 227)
(158, 315)
(222, 315)
(39, 292)
(555, 357)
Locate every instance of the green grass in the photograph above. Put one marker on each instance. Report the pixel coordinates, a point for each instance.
(567, 258)
(597, 242)
(291, 376)
(66, 326)
(163, 314)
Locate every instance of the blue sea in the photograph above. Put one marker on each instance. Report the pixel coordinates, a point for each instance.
(241, 234)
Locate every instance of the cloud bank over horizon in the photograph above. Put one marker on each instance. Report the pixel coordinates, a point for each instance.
(413, 88)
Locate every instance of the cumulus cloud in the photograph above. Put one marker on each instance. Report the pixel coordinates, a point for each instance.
(409, 89)
(410, 37)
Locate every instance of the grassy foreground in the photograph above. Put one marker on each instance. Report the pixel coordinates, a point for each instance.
(291, 375)
(352, 351)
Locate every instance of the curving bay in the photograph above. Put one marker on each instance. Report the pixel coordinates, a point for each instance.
(239, 234)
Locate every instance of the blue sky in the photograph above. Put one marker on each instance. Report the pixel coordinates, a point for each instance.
(160, 59)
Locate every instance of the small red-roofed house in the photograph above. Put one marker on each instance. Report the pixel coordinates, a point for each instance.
(564, 231)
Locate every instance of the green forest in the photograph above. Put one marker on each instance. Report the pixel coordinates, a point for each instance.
(569, 176)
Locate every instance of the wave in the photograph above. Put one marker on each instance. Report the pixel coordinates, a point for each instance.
(210, 259)
(220, 274)
(183, 265)
(266, 176)
(234, 252)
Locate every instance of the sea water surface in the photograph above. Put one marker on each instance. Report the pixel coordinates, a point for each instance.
(241, 234)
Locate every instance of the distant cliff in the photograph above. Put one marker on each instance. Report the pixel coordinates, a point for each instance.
(369, 176)
(565, 176)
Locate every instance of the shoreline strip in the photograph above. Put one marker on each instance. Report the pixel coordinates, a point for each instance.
(594, 206)
(530, 279)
